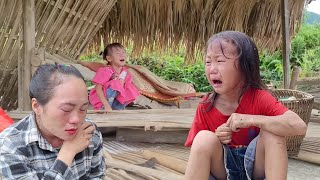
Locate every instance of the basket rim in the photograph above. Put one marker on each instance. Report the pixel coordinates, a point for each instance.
(307, 96)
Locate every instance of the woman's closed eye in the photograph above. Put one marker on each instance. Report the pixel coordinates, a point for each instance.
(84, 107)
(66, 110)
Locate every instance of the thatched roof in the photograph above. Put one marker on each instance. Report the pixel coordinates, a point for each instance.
(64, 28)
(161, 24)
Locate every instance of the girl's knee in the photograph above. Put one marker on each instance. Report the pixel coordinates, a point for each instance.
(205, 141)
(270, 138)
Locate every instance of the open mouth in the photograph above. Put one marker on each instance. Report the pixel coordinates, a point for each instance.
(217, 82)
(122, 60)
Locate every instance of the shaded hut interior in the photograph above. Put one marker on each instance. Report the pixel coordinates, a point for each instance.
(64, 29)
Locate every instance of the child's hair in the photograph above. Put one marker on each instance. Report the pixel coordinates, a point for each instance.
(107, 51)
(248, 59)
(47, 77)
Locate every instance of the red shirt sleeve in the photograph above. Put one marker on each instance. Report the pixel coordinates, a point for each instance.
(270, 106)
(102, 76)
(199, 123)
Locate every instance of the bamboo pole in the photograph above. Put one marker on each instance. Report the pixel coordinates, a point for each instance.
(29, 45)
(167, 161)
(285, 43)
(143, 170)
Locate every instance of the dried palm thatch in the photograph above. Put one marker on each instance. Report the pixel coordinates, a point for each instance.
(156, 25)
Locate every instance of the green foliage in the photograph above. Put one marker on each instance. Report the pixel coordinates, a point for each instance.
(305, 49)
(172, 67)
(310, 62)
(305, 52)
(271, 67)
(91, 57)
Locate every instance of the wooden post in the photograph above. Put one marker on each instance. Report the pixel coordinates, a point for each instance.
(285, 43)
(295, 77)
(20, 80)
(29, 45)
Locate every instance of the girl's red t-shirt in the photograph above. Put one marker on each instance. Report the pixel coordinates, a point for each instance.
(254, 102)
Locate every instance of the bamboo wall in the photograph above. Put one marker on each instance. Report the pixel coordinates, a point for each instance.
(63, 29)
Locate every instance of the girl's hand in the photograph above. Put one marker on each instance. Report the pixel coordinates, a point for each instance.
(81, 140)
(237, 121)
(107, 109)
(224, 134)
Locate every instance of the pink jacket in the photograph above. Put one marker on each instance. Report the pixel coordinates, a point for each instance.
(108, 77)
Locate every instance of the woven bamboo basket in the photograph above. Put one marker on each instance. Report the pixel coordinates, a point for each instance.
(300, 104)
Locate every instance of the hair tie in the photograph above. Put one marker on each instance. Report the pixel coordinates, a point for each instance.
(64, 65)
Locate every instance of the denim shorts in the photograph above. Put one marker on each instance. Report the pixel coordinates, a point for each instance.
(239, 162)
(113, 102)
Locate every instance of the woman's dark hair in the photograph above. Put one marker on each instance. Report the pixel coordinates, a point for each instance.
(248, 59)
(107, 51)
(47, 77)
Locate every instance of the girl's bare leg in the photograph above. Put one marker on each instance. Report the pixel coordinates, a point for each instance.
(271, 157)
(206, 156)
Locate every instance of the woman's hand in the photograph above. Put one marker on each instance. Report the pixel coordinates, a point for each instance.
(237, 121)
(81, 140)
(224, 134)
(73, 146)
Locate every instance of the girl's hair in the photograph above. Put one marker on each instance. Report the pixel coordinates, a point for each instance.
(107, 51)
(248, 60)
(47, 77)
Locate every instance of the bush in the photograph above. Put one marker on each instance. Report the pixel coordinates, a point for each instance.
(173, 68)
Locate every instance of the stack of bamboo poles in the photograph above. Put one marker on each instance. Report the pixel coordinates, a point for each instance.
(145, 161)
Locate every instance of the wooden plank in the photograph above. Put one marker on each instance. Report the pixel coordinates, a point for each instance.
(56, 59)
(309, 157)
(143, 170)
(295, 77)
(316, 105)
(168, 161)
(150, 119)
(285, 43)
(140, 135)
(29, 45)
(20, 79)
(309, 81)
